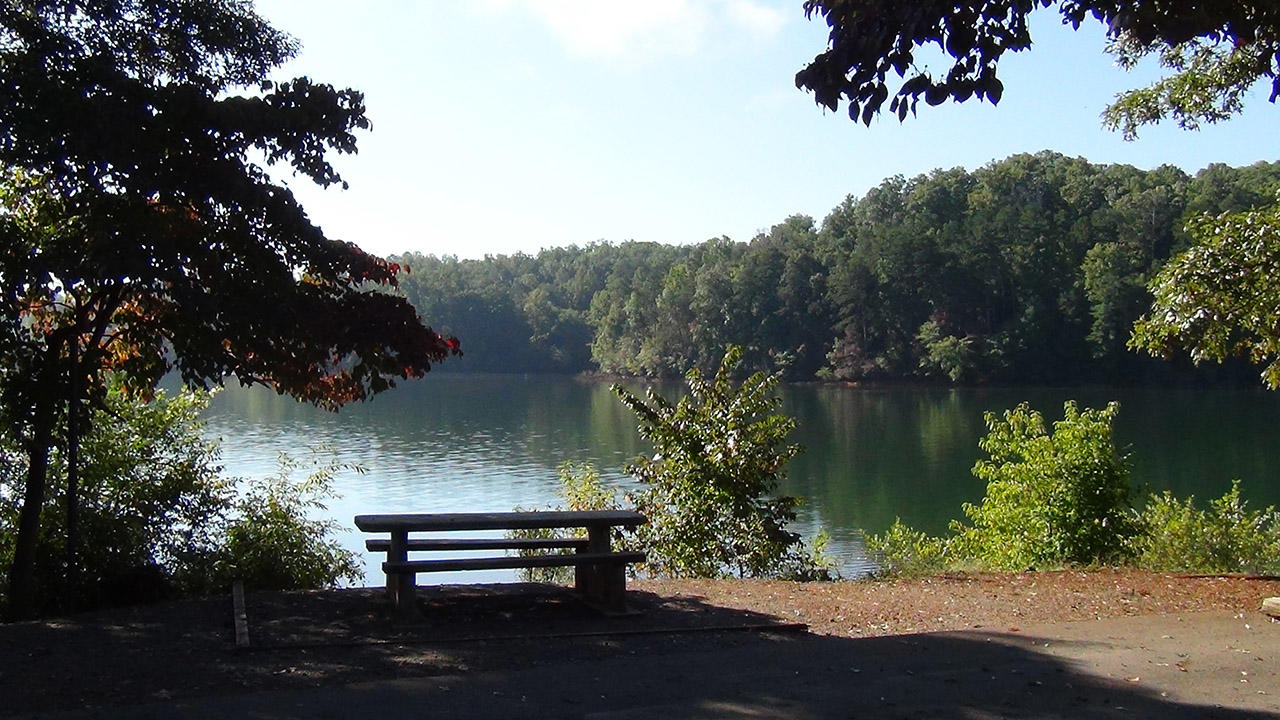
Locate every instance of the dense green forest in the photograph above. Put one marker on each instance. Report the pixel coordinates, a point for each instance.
(1029, 269)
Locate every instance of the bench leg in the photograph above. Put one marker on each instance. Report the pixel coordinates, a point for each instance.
(591, 581)
(613, 587)
(404, 596)
(584, 579)
(604, 585)
(401, 586)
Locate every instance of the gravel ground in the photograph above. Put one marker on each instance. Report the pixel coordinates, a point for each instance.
(186, 650)
(978, 600)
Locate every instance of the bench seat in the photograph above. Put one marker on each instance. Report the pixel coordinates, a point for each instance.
(513, 561)
(384, 544)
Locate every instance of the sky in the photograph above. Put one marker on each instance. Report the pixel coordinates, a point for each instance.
(507, 126)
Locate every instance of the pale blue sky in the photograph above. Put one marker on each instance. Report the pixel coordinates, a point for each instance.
(504, 126)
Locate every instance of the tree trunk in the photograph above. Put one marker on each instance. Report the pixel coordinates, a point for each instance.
(22, 573)
(72, 579)
(22, 599)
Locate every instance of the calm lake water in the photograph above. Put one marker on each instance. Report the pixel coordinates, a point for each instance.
(453, 443)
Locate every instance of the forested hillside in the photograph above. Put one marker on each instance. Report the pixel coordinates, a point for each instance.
(1030, 269)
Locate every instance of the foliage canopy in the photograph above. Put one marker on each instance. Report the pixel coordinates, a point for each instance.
(1220, 297)
(872, 40)
(1208, 84)
(139, 201)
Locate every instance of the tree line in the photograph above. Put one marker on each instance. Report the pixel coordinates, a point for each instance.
(1029, 269)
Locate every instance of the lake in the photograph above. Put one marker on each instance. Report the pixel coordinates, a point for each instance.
(454, 443)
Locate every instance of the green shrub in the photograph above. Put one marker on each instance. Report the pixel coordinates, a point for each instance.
(1226, 537)
(151, 501)
(273, 541)
(708, 488)
(580, 489)
(1062, 498)
(153, 495)
(813, 561)
(1052, 499)
(944, 354)
(157, 518)
(903, 551)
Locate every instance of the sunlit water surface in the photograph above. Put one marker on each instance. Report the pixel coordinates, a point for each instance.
(453, 443)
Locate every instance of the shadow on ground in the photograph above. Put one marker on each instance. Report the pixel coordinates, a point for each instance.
(533, 651)
(307, 639)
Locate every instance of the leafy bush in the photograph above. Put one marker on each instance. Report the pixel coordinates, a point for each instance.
(151, 502)
(158, 519)
(580, 489)
(1225, 537)
(1052, 498)
(903, 551)
(1063, 498)
(273, 544)
(708, 489)
(944, 354)
(153, 496)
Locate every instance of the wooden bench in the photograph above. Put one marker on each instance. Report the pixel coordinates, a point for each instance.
(599, 572)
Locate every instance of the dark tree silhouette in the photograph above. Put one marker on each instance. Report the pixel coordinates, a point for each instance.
(142, 231)
(872, 41)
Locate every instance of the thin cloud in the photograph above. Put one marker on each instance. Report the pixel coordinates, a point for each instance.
(636, 33)
(756, 17)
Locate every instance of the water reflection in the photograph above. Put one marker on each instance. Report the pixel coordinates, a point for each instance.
(466, 443)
